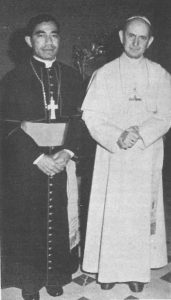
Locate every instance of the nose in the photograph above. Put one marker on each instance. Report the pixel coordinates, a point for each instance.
(49, 39)
(136, 41)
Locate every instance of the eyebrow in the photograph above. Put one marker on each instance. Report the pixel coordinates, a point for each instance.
(142, 35)
(42, 31)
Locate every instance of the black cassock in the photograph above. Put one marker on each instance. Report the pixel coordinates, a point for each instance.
(35, 233)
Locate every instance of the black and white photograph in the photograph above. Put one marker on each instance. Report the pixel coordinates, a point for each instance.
(85, 149)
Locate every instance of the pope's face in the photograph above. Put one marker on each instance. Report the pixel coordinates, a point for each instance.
(136, 38)
(44, 40)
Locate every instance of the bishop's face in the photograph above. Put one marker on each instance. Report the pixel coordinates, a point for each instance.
(44, 40)
(136, 38)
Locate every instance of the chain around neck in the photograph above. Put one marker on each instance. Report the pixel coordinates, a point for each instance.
(41, 82)
(43, 87)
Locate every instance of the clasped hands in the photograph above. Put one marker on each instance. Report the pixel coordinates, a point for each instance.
(54, 164)
(129, 137)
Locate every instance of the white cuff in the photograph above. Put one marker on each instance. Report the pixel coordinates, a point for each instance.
(37, 159)
(69, 152)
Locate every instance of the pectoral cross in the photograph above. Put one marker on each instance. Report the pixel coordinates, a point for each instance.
(52, 107)
(135, 98)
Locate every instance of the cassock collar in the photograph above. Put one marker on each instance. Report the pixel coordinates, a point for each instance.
(42, 62)
(130, 61)
(40, 65)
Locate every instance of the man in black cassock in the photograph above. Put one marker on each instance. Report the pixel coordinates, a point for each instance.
(39, 116)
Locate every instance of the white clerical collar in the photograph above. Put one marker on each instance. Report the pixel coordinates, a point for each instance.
(134, 61)
(48, 63)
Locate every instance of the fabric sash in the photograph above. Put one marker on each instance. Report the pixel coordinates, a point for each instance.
(46, 134)
(156, 186)
(73, 207)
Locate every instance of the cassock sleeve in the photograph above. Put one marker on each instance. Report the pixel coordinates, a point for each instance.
(97, 114)
(73, 136)
(74, 132)
(160, 122)
(12, 134)
(23, 145)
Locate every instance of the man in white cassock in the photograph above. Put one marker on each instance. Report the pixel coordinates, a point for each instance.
(127, 111)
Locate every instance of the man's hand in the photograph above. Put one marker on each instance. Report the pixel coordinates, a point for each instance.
(48, 165)
(61, 158)
(121, 140)
(129, 137)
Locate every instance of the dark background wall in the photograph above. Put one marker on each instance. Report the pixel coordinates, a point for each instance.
(82, 21)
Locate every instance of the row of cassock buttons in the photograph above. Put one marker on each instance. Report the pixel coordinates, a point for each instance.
(50, 228)
(50, 76)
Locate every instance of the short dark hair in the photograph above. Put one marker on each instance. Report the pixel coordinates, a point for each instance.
(34, 21)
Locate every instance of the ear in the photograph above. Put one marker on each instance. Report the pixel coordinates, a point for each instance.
(28, 41)
(150, 41)
(121, 36)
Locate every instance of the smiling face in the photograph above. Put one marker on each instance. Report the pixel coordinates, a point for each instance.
(44, 40)
(136, 38)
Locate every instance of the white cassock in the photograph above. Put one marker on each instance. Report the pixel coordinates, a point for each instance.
(126, 230)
